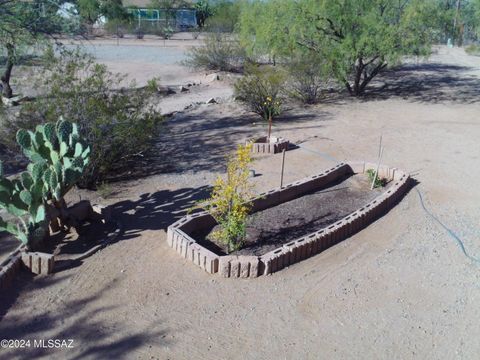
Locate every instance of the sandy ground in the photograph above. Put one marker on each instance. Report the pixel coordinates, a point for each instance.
(399, 289)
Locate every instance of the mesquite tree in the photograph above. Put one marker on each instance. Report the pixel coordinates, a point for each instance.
(360, 38)
(24, 23)
(357, 38)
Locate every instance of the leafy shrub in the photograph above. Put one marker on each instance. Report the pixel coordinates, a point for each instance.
(225, 16)
(308, 76)
(117, 27)
(230, 201)
(165, 32)
(261, 90)
(220, 52)
(473, 49)
(139, 32)
(118, 122)
(379, 182)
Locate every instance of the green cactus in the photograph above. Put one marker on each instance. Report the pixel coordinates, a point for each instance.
(58, 158)
(23, 198)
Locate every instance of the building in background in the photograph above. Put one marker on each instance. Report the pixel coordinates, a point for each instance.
(183, 17)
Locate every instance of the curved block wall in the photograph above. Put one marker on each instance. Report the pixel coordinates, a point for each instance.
(178, 234)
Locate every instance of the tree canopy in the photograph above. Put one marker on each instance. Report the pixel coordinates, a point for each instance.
(24, 23)
(358, 38)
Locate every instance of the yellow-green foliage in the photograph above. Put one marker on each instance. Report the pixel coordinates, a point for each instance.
(230, 201)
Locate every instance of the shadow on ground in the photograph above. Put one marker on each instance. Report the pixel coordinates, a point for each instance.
(427, 83)
(196, 141)
(156, 211)
(76, 319)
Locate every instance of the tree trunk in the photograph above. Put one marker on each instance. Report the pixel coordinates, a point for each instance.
(269, 128)
(359, 82)
(5, 78)
(358, 76)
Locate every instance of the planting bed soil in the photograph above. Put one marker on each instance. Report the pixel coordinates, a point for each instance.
(270, 228)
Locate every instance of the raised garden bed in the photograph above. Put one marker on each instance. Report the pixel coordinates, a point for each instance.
(265, 145)
(277, 225)
(327, 207)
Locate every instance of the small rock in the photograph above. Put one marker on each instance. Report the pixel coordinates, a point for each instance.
(211, 101)
(10, 101)
(213, 77)
(183, 88)
(166, 90)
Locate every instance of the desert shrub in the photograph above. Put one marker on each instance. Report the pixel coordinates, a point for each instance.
(165, 32)
(261, 90)
(473, 49)
(230, 201)
(225, 16)
(118, 121)
(308, 76)
(379, 182)
(117, 27)
(139, 32)
(220, 52)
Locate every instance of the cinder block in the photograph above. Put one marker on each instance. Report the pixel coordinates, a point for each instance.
(347, 225)
(194, 254)
(267, 264)
(224, 264)
(254, 267)
(170, 232)
(38, 263)
(244, 268)
(280, 259)
(180, 244)
(313, 239)
(329, 236)
(235, 268)
(342, 231)
(308, 248)
(288, 257)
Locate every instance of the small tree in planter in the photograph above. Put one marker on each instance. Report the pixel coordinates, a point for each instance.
(230, 202)
(261, 90)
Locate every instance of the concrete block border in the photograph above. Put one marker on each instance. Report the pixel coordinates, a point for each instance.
(262, 146)
(179, 238)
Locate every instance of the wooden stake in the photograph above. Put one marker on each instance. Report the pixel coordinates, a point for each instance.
(269, 128)
(283, 167)
(378, 167)
(380, 146)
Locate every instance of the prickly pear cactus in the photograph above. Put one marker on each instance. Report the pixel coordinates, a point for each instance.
(58, 158)
(23, 198)
(58, 154)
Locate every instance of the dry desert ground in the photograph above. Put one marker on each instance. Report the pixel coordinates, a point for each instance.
(400, 289)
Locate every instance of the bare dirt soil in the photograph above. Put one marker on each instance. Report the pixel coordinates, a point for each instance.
(268, 229)
(399, 289)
